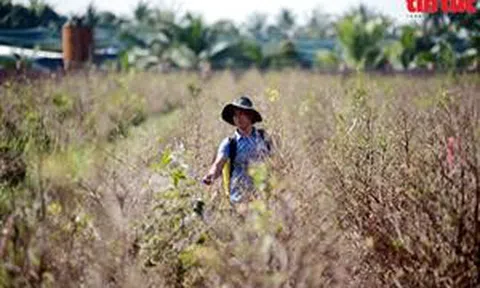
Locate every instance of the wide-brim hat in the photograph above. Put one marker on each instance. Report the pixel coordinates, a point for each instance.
(243, 103)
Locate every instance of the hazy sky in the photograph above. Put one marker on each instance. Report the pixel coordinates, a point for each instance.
(236, 10)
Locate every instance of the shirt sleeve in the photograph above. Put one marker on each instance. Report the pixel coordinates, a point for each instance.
(224, 149)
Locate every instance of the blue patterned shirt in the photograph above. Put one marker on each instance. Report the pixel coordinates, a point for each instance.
(250, 149)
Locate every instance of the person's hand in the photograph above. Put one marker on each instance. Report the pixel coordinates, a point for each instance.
(208, 179)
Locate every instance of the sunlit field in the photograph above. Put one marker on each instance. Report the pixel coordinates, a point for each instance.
(374, 182)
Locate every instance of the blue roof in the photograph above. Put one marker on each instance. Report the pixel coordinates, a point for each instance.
(308, 48)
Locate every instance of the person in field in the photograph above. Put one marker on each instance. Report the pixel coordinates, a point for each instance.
(247, 145)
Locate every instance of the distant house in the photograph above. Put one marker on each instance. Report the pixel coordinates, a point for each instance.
(307, 49)
(40, 60)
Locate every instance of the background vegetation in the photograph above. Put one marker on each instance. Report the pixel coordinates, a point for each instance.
(160, 39)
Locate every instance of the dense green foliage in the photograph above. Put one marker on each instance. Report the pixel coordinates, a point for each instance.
(17, 16)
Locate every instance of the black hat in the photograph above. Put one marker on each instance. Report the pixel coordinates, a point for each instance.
(243, 103)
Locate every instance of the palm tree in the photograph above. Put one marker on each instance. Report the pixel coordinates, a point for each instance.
(286, 22)
(185, 44)
(362, 35)
(451, 40)
(91, 17)
(319, 26)
(256, 25)
(225, 30)
(141, 12)
(36, 4)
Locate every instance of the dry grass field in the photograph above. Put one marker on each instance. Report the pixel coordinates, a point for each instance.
(374, 182)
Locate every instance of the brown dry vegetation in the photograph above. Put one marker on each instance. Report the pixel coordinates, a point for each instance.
(374, 182)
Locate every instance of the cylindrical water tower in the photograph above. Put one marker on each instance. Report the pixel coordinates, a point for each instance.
(77, 44)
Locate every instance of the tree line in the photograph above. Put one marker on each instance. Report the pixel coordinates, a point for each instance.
(363, 40)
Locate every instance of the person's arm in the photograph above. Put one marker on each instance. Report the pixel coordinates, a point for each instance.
(216, 169)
